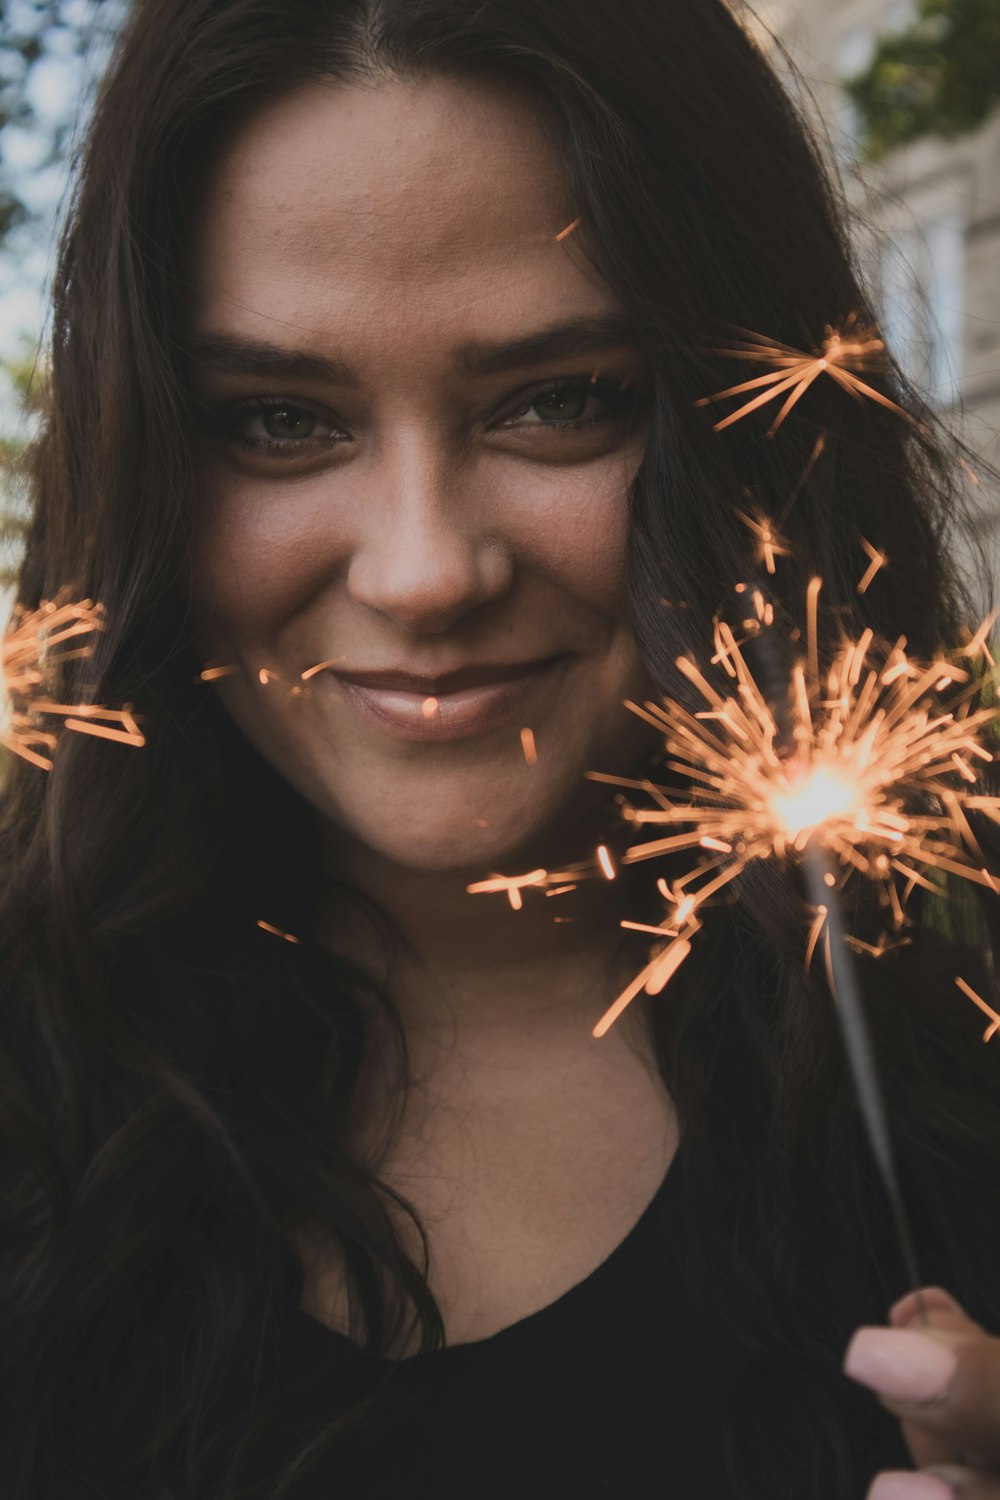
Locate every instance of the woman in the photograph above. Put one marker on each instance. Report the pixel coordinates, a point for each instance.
(378, 335)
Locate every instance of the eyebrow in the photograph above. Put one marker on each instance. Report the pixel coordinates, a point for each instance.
(232, 354)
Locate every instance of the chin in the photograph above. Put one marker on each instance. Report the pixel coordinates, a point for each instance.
(473, 843)
(472, 852)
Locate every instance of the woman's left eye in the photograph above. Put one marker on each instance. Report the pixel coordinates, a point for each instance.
(572, 405)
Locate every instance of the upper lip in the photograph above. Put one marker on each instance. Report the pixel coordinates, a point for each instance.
(443, 682)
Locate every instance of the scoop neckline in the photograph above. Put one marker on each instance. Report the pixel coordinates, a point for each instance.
(574, 1318)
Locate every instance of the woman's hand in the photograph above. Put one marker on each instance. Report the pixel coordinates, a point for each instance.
(943, 1382)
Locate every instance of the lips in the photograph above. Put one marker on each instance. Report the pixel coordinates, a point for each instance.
(452, 705)
(444, 682)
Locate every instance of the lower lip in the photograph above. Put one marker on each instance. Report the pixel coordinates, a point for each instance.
(459, 715)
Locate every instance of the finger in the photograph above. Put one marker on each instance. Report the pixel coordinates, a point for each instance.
(960, 1483)
(968, 1484)
(942, 1381)
(906, 1311)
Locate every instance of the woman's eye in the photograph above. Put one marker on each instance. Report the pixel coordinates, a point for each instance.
(279, 429)
(274, 428)
(573, 405)
(284, 422)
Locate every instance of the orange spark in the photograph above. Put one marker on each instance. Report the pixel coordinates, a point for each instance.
(968, 990)
(33, 650)
(528, 747)
(511, 885)
(877, 560)
(771, 545)
(102, 731)
(211, 673)
(979, 640)
(278, 932)
(604, 860)
(568, 230)
(819, 922)
(842, 355)
(429, 707)
(320, 666)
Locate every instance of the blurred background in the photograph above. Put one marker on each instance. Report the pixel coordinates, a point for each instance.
(905, 95)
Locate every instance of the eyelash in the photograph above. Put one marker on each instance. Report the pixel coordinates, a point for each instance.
(621, 402)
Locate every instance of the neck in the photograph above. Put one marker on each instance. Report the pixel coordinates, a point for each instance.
(489, 979)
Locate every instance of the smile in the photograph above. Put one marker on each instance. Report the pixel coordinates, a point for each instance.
(447, 713)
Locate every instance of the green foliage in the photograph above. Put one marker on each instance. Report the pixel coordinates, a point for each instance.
(25, 376)
(939, 77)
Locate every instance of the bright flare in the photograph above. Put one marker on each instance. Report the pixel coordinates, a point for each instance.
(816, 796)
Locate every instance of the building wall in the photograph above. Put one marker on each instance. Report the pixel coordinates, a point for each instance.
(927, 224)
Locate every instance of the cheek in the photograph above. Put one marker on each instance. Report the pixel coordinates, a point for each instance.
(258, 558)
(571, 527)
(264, 552)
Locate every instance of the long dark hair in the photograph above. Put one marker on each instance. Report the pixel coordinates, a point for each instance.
(174, 1081)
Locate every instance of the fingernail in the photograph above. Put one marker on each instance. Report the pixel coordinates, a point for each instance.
(910, 1487)
(933, 1297)
(899, 1364)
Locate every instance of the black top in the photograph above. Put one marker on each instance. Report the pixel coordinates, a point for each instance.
(609, 1391)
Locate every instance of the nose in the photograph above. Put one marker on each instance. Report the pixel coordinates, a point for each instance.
(426, 551)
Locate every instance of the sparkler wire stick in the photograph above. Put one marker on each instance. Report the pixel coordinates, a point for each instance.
(817, 866)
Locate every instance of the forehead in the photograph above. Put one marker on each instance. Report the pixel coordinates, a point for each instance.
(403, 204)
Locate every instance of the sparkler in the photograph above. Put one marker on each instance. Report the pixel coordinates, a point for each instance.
(870, 769)
(877, 771)
(34, 646)
(845, 354)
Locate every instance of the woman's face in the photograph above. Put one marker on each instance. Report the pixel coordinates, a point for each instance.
(416, 468)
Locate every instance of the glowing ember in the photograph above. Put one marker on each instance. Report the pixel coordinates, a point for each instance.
(978, 1000)
(770, 544)
(320, 666)
(429, 707)
(844, 353)
(528, 747)
(267, 927)
(511, 884)
(568, 230)
(34, 647)
(876, 560)
(211, 674)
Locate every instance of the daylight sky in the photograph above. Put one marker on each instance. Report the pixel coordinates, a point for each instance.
(59, 88)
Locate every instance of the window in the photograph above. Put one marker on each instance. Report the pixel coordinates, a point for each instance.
(923, 303)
